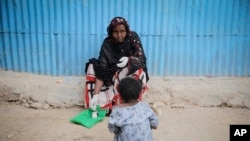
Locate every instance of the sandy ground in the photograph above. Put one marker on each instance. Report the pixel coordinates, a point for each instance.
(39, 108)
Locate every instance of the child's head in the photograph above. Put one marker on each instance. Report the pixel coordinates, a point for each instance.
(129, 89)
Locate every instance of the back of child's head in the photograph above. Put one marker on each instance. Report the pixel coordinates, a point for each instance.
(129, 89)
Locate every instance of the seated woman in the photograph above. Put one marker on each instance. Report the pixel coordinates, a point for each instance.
(121, 55)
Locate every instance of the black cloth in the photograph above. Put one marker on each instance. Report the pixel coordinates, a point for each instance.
(110, 53)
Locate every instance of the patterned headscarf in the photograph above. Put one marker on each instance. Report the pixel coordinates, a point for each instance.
(117, 21)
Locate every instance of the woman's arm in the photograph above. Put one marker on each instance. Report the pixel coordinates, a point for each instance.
(138, 57)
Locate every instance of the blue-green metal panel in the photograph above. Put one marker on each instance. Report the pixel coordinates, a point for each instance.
(180, 37)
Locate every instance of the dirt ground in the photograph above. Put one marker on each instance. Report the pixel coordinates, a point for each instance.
(192, 109)
(175, 124)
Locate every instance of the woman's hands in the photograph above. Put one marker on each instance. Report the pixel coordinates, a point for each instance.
(122, 62)
(94, 100)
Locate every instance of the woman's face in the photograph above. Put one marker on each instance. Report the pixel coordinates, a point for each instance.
(119, 33)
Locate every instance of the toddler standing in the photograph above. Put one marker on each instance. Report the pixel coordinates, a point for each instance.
(132, 120)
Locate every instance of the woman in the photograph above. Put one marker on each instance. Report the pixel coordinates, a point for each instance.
(121, 49)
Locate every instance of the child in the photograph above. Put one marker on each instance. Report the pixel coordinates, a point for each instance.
(132, 120)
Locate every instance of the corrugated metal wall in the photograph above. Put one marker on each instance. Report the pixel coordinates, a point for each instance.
(180, 37)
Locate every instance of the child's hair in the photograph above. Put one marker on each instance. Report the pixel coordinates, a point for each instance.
(129, 89)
